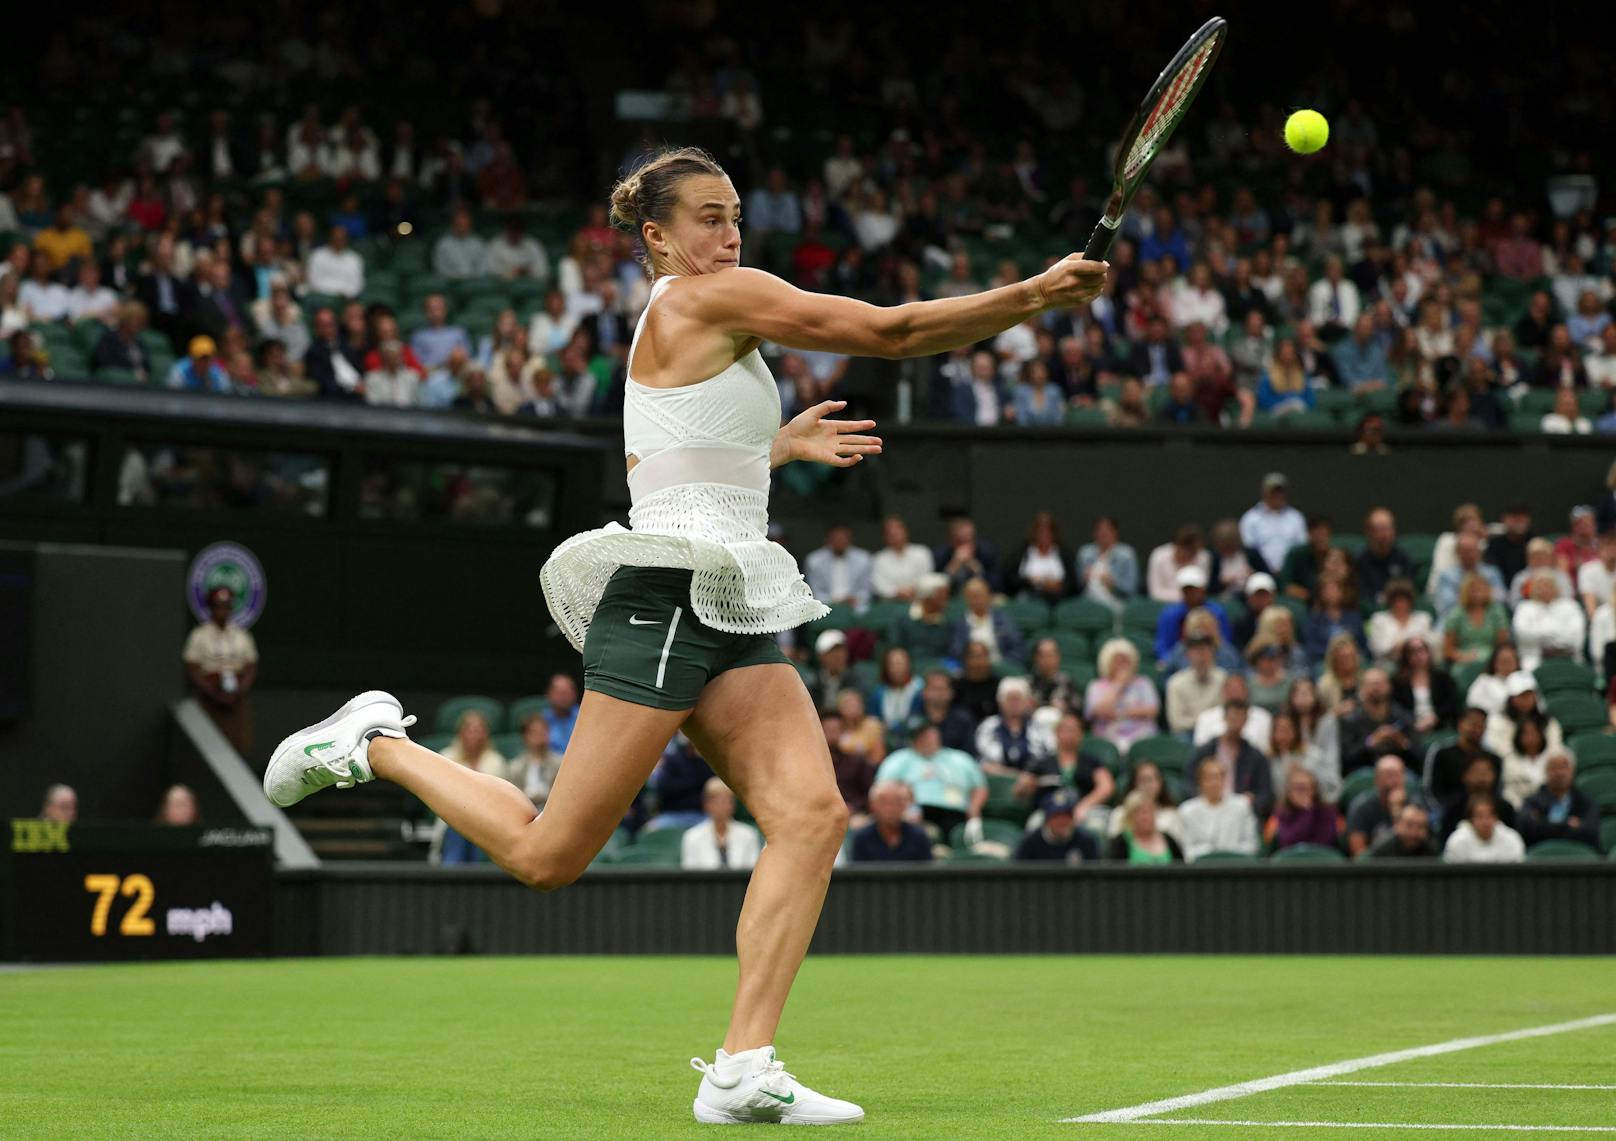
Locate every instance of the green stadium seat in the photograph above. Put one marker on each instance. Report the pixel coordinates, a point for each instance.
(637, 856)
(993, 832)
(1578, 711)
(1538, 402)
(1465, 676)
(1106, 753)
(1607, 835)
(1031, 614)
(1002, 805)
(1085, 616)
(118, 376)
(448, 715)
(1594, 402)
(1562, 675)
(1525, 423)
(1309, 854)
(1087, 418)
(507, 745)
(1593, 750)
(1081, 674)
(1075, 648)
(1226, 858)
(522, 707)
(434, 742)
(1356, 783)
(841, 617)
(882, 614)
(1335, 402)
(1600, 784)
(1142, 614)
(660, 839)
(865, 676)
(1309, 421)
(1560, 850)
(1169, 753)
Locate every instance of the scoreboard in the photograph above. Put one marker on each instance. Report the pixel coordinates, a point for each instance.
(80, 892)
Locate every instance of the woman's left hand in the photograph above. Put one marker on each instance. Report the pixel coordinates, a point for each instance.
(809, 436)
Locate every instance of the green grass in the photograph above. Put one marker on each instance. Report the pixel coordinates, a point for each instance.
(961, 1047)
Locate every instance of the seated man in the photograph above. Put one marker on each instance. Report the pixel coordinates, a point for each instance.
(839, 573)
(1376, 727)
(1250, 775)
(1259, 722)
(1371, 815)
(1196, 689)
(947, 784)
(939, 710)
(1482, 777)
(1449, 763)
(1059, 838)
(1009, 742)
(1559, 810)
(1192, 582)
(719, 841)
(1410, 837)
(983, 622)
(1215, 821)
(888, 837)
(926, 631)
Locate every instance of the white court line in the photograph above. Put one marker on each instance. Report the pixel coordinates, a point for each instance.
(1335, 1070)
(1464, 1085)
(1374, 1125)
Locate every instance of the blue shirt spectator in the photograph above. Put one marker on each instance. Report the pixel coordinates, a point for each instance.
(434, 341)
(1170, 624)
(1361, 359)
(1272, 526)
(201, 371)
(773, 207)
(561, 712)
(1467, 552)
(1108, 568)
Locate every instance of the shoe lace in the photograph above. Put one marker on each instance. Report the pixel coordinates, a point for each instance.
(342, 767)
(775, 1076)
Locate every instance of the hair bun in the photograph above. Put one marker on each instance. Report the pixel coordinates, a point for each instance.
(625, 209)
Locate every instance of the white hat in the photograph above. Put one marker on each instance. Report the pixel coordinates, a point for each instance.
(828, 641)
(1260, 581)
(1191, 575)
(1520, 682)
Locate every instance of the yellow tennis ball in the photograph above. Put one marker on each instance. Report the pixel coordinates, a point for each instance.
(1306, 132)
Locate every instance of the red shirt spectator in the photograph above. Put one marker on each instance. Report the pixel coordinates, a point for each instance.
(1580, 546)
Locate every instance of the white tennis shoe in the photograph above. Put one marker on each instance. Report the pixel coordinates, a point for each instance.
(334, 752)
(753, 1088)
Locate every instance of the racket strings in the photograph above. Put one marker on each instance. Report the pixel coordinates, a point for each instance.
(1165, 114)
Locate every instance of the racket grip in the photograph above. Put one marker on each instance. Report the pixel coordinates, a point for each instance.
(1100, 241)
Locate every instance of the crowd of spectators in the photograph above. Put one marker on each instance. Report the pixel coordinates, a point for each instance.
(1283, 686)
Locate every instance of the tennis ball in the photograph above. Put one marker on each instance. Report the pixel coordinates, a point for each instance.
(1306, 132)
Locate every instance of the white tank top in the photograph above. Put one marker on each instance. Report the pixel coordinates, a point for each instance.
(699, 498)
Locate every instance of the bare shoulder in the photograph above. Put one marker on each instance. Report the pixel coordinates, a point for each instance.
(729, 291)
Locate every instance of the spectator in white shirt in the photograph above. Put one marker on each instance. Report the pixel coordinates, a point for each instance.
(720, 841)
(1600, 363)
(839, 572)
(842, 168)
(1215, 821)
(1259, 728)
(1597, 577)
(1567, 418)
(898, 566)
(1333, 302)
(514, 253)
(1548, 625)
(1539, 557)
(89, 298)
(393, 383)
(164, 145)
(1272, 526)
(1196, 301)
(552, 326)
(460, 253)
(1188, 548)
(44, 298)
(1482, 838)
(336, 269)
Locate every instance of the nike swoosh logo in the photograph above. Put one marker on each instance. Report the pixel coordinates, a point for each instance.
(636, 620)
(787, 1100)
(309, 751)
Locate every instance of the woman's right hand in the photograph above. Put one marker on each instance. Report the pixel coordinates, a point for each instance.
(1071, 281)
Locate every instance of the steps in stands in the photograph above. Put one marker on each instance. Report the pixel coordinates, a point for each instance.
(376, 821)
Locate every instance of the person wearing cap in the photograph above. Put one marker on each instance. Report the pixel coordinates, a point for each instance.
(1539, 557)
(1260, 592)
(1059, 838)
(948, 785)
(898, 567)
(1522, 702)
(983, 622)
(889, 837)
(1381, 559)
(1192, 584)
(1507, 549)
(1580, 546)
(1398, 622)
(221, 661)
(926, 631)
(1008, 743)
(1549, 625)
(1196, 688)
(200, 370)
(830, 675)
(1272, 526)
(839, 573)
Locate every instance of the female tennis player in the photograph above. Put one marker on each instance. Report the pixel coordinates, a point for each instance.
(676, 616)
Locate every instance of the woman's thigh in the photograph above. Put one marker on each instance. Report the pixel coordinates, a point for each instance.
(613, 749)
(758, 728)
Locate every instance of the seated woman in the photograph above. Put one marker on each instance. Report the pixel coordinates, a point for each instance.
(863, 735)
(1070, 767)
(1525, 763)
(1522, 703)
(1141, 840)
(1120, 705)
(1474, 628)
(1036, 402)
(1319, 734)
(1283, 387)
(473, 748)
(1277, 627)
(1216, 820)
(897, 698)
(1549, 624)
(1051, 685)
(1330, 617)
(1422, 687)
(1042, 567)
(1302, 816)
(1147, 778)
(1338, 681)
(1269, 680)
(1488, 690)
(1391, 627)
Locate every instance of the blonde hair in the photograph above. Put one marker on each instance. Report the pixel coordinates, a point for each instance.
(1271, 617)
(1203, 621)
(649, 192)
(1109, 651)
(1130, 805)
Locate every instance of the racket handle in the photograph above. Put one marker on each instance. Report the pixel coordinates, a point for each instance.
(1100, 241)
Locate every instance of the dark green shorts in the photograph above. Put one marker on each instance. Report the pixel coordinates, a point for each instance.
(645, 645)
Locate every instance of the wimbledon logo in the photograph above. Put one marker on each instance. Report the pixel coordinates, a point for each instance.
(230, 565)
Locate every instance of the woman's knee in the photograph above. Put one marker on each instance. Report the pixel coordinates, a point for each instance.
(545, 869)
(819, 820)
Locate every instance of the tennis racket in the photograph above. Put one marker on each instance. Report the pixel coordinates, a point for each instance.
(1153, 125)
